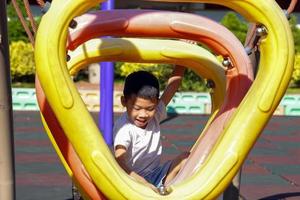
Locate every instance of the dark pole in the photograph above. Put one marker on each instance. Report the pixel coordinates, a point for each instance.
(233, 190)
(7, 176)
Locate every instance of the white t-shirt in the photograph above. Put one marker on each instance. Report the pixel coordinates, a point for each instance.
(143, 145)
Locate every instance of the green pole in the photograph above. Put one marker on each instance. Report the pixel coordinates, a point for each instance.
(7, 176)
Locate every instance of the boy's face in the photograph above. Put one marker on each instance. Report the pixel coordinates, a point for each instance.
(139, 110)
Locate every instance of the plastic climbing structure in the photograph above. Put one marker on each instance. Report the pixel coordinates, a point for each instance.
(242, 103)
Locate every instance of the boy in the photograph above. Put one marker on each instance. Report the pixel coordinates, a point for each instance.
(137, 144)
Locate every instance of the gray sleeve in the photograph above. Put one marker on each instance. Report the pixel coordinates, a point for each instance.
(121, 133)
(122, 137)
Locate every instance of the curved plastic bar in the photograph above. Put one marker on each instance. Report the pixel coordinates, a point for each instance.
(127, 50)
(65, 150)
(165, 24)
(222, 45)
(232, 148)
(152, 51)
(275, 68)
(179, 25)
(223, 42)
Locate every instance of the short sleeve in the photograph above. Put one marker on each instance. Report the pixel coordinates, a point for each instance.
(122, 137)
(161, 113)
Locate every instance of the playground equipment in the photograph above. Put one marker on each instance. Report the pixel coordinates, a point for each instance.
(231, 149)
(180, 25)
(226, 40)
(141, 50)
(263, 94)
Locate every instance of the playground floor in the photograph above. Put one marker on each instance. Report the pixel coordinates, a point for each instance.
(271, 171)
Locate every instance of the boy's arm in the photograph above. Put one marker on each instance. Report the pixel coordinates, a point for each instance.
(121, 157)
(173, 84)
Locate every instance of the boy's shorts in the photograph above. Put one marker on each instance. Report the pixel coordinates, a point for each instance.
(158, 174)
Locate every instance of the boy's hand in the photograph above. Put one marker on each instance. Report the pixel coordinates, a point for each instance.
(120, 154)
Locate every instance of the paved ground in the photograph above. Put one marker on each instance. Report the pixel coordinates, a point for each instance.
(272, 170)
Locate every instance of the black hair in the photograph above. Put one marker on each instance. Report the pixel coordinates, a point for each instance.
(142, 84)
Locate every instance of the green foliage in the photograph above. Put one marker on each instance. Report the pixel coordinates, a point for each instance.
(21, 61)
(296, 33)
(11, 12)
(117, 71)
(235, 25)
(16, 31)
(161, 71)
(239, 28)
(295, 82)
(296, 74)
(23, 85)
(191, 81)
(23, 67)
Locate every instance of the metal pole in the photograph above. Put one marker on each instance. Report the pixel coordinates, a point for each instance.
(233, 191)
(107, 92)
(7, 176)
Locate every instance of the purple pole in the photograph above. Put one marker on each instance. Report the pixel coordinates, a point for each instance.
(102, 92)
(106, 92)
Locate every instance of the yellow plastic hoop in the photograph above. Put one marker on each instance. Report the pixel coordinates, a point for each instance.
(127, 50)
(276, 66)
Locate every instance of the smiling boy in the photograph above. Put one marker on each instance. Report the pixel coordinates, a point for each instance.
(137, 140)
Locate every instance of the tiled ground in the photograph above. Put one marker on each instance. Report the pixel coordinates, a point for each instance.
(271, 171)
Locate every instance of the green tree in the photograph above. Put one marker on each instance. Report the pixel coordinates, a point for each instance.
(296, 73)
(161, 71)
(190, 82)
(16, 31)
(22, 61)
(296, 33)
(238, 27)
